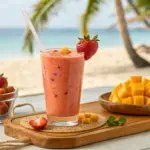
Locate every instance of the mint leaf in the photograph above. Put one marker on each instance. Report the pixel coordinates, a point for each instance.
(111, 121)
(122, 121)
(111, 118)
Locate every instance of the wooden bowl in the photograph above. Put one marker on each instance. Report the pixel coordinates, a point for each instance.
(123, 108)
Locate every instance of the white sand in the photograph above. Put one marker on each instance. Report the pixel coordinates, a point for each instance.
(106, 68)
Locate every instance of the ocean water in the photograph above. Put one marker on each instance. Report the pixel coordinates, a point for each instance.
(11, 40)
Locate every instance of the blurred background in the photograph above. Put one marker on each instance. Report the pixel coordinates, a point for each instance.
(123, 27)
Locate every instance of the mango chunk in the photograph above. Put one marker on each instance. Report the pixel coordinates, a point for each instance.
(146, 81)
(127, 83)
(87, 115)
(124, 91)
(138, 100)
(137, 89)
(81, 117)
(115, 92)
(94, 117)
(86, 121)
(127, 100)
(116, 99)
(147, 100)
(136, 79)
(65, 50)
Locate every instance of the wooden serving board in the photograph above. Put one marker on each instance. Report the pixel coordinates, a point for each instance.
(135, 124)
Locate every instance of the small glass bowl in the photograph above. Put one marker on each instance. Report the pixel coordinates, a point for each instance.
(7, 101)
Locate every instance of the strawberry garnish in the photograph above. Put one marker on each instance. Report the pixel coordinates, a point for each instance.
(88, 46)
(38, 124)
(10, 89)
(3, 81)
(2, 91)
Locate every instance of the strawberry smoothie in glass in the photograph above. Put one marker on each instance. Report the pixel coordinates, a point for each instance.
(62, 80)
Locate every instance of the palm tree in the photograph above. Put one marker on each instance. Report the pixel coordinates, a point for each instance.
(137, 60)
(45, 7)
(138, 13)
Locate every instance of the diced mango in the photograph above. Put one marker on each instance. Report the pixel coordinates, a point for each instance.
(146, 81)
(86, 121)
(124, 91)
(116, 99)
(115, 92)
(138, 100)
(127, 100)
(81, 117)
(137, 89)
(127, 83)
(65, 50)
(87, 115)
(136, 79)
(94, 117)
(147, 92)
(147, 100)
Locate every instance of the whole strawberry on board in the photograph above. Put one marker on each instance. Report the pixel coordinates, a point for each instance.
(88, 46)
(3, 81)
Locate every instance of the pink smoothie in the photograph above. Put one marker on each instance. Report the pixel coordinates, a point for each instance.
(62, 80)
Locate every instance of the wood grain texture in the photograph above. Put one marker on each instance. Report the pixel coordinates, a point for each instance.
(134, 124)
(123, 108)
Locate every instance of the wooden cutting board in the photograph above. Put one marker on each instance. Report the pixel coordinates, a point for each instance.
(135, 124)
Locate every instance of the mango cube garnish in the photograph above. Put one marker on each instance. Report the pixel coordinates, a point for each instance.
(94, 117)
(86, 121)
(138, 100)
(136, 79)
(87, 115)
(127, 100)
(87, 118)
(65, 50)
(81, 117)
(147, 100)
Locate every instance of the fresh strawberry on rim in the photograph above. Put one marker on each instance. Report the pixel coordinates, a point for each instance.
(38, 124)
(3, 81)
(88, 46)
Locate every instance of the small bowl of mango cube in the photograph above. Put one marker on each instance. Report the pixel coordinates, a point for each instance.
(88, 118)
(130, 97)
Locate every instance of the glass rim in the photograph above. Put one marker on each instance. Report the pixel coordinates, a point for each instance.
(47, 49)
(16, 91)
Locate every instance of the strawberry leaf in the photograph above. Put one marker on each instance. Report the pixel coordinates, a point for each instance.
(80, 38)
(95, 37)
(88, 37)
(1, 74)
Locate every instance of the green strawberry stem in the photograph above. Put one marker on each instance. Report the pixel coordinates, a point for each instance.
(1, 74)
(87, 37)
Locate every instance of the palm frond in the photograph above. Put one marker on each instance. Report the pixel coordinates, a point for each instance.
(40, 17)
(143, 3)
(92, 7)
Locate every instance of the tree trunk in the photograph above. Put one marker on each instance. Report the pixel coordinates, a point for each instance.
(137, 60)
(138, 13)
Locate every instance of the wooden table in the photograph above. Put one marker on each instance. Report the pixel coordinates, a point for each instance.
(139, 141)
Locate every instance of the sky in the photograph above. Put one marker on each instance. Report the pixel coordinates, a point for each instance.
(69, 14)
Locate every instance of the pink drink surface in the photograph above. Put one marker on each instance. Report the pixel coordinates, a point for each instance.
(62, 80)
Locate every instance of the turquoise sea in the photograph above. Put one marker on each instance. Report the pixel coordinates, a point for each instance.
(11, 40)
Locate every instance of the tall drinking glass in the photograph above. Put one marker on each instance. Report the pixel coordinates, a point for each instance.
(62, 81)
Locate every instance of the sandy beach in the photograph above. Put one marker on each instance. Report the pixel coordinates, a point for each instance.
(106, 68)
